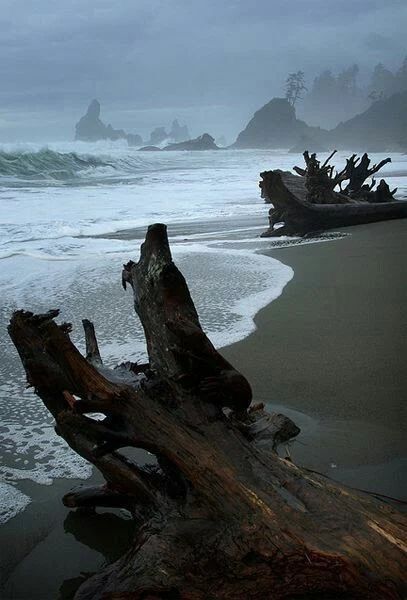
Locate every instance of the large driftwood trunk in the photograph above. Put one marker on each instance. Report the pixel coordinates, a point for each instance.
(288, 195)
(222, 515)
(315, 200)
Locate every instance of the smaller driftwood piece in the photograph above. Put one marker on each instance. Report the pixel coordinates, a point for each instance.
(319, 198)
(221, 515)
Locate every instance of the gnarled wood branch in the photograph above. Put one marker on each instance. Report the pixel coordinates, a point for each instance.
(223, 516)
(320, 180)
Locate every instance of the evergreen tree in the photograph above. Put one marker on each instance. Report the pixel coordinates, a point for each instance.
(294, 86)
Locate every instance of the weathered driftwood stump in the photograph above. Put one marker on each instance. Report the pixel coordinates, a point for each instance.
(221, 514)
(315, 200)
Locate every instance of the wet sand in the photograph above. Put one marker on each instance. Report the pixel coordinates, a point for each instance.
(330, 353)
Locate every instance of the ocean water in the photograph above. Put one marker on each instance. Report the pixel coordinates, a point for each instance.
(72, 213)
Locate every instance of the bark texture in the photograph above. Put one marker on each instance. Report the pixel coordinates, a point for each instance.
(221, 514)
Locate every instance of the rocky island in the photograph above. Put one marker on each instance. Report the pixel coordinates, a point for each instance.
(275, 125)
(178, 133)
(90, 128)
(203, 142)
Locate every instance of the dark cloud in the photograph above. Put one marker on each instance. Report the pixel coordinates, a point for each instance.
(194, 58)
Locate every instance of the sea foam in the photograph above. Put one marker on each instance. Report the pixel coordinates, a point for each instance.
(60, 209)
(12, 501)
(228, 286)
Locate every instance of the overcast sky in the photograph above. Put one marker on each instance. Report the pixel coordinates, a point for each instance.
(207, 62)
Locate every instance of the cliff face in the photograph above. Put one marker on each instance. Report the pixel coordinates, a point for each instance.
(275, 125)
(383, 126)
(90, 128)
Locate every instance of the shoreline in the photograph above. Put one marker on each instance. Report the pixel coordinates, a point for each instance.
(351, 427)
(329, 353)
(39, 529)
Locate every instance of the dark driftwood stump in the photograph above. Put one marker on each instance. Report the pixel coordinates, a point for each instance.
(222, 515)
(309, 202)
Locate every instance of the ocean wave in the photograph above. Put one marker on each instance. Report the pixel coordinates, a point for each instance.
(47, 164)
(81, 164)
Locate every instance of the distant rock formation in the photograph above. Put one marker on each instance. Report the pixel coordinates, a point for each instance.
(133, 139)
(383, 126)
(158, 135)
(275, 125)
(150, 149)
(90, 128)
(203, 142)
(179, 133)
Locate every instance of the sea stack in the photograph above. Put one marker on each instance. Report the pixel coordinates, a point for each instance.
(90, 128)
(179, 133)
(157, 136)
(275, 125)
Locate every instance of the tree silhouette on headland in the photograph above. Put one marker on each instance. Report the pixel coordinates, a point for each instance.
(295, 85)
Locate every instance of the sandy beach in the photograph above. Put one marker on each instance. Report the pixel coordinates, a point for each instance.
(329, 352)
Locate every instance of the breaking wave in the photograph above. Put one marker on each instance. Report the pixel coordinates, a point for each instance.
(47, 164)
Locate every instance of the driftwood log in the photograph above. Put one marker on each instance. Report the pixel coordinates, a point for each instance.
(221, 515)
(314, 199)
